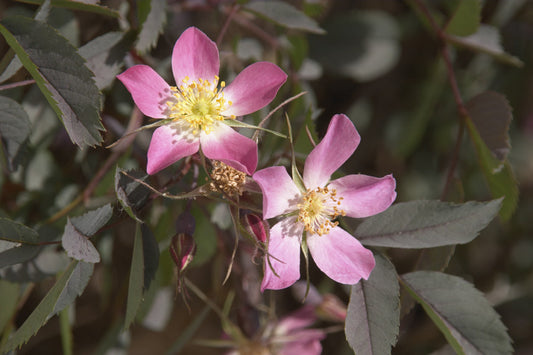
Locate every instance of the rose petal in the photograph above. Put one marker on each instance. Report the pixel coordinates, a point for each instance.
(363, 195)
(149, 91)
(284, 251)
(194, 56)
(301, 318)
(280, 194)
(230, 147)
(254, 88)
(307, 342)
(169, 144)
(340, 256)
(336, 147)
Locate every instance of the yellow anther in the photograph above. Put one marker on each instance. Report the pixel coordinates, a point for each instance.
(318, 208)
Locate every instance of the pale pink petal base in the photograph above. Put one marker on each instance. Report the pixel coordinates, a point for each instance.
(283, 254)
(168, 145)
(336, 147)
(149, 91)
(253, 88)
(280, 194)
(194, 56)
(340, 256)
(230, 147)
(364, 195)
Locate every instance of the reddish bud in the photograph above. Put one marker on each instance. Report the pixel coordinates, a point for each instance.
(332, 308)
(256, 226)
(182, 250)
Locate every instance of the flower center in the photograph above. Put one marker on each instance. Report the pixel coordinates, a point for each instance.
(318, 208)
(199, 104)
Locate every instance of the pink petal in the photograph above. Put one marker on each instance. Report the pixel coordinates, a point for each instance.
(301, 318)
(169, 144)
(336, 147)
(280, 194)
(307, 342)
(284, 245)
(364, 195)
(230, 147)
(149, 91)
(254, 88)
(194, 56)
(340, 256)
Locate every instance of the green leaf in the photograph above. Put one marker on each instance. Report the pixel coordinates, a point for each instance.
(91, 222)
(78, 5)
(41, 313)
(235, 123)
(61, 74)
(131, 194)
(427, 224)
(486, 40)
(136, 282)
(10, 69)
(16, 232)
(76, 284)
(373, 317)
(466, 19)
(284, 15)
(150, 255)
(78, 246)
(18, 254)
(499, 175)
(105, 56)
(462, 314)
(152, 24)
(15, 128)
(10, 299)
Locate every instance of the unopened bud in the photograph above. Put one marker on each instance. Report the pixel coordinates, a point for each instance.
(256, 226)
(182, 250)
(331, 308)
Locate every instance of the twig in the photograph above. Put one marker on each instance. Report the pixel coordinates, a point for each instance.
(17, 84)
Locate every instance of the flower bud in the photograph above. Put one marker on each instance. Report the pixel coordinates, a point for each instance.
(256, 226)
(331, 308)
(182, 250)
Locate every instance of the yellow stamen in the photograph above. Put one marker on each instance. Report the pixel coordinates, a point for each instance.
(317, 210)
(198, 103)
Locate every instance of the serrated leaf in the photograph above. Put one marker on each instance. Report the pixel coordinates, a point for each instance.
(486, 40)
(17, 232)
(15, 128)
(76, 284)
(427, 224)
(105, 56)
(78, 5)
(61, 74)
(373, 318)
(491, 114)
(284, 15)
(41, 313)
(152, 26)
(499, 175)
(462, 314)
(150, 255)
(136, 281)
(78, 246)
(131, 194)
(10, 299)
(466, 18)
(18, 254)
(91, 222)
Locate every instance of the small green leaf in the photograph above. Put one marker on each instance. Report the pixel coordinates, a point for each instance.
(136, 282)
(463, 315)
(77, 282)
(78, 246)
(91, 222)
(10, 299)
(150, 255)
(61, 74)
(15, 128)
(16, 232)
(41, 313)
(152, 24)
(499, 175)
(427, 224)
(18, 254)
(373, 317)
(486, 40)
(466, 19)
(131, 194)
(284, 15)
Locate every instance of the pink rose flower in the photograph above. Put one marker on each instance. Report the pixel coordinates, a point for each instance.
(308, 214)
(196, 108)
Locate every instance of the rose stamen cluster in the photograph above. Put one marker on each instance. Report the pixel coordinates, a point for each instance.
(318, 208)
(227, 179)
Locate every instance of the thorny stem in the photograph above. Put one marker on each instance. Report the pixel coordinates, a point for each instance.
(17, 84)
(463, 113)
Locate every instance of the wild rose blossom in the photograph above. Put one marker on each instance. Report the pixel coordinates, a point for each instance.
(313, 210)
(197, 108)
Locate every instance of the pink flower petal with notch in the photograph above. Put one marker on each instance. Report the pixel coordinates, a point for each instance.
(336, 147)
(230, 147)
(340, 256)
(280, 194)
(169, 144)
(195, 56)
(283, 254)
(364, 195)
(254, 88)
(149, 90)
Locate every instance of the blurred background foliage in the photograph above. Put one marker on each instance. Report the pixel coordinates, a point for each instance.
(377, 61)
